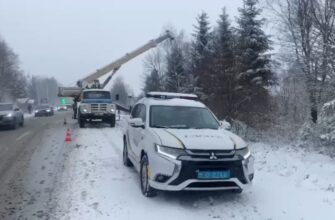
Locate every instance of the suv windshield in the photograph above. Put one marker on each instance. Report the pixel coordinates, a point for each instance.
(6, 107)
(97, 95)
(182, 117)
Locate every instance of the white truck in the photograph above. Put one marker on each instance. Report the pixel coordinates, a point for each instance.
(88, 109)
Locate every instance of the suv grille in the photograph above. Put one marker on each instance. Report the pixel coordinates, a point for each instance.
(98, 107)
(205, 154)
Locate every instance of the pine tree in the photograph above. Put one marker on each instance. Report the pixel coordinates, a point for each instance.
(253, 45)
(200, 55)
(223, 68)
(254, 73)
(202, 40)
(176, 76)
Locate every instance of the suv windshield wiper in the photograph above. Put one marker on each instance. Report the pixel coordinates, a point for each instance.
(204, 128)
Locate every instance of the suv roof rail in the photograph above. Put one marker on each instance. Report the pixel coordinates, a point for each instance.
(171, 95)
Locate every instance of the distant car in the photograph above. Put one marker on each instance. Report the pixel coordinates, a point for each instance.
(62, 108)
(11, 115)
(43, 110)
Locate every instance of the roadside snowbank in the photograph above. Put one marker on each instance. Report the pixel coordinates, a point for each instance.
(289, 184)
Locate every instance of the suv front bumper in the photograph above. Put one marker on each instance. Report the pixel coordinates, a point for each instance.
(184, 176)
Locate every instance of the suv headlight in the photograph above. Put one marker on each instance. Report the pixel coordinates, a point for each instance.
(244, 152)
(169, 152)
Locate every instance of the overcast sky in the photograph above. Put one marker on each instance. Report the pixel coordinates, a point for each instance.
(70, 39)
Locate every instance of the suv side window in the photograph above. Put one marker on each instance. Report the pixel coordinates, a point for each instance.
(135, 112)
(142, 112)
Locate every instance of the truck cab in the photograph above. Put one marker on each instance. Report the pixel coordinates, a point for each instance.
(96, 105)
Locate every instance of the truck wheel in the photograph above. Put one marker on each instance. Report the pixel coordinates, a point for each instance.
(147, 190)
(126, 160)
(81, 122)
(112, 123)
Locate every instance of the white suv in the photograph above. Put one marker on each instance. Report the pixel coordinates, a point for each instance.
(177, 143)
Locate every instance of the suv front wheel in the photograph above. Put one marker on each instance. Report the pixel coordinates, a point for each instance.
(126, 160)
(147, 190)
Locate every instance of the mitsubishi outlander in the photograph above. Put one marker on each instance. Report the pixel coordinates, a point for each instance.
(176, 143)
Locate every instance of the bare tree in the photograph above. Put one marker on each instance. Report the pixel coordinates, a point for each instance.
(308, 27)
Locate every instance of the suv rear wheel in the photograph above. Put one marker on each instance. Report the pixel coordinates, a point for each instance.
(147, 190)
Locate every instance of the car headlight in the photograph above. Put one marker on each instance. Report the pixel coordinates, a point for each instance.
(169, 152)
(85, 110)
(9, 115)
(244, 152)
(48, 110)
(36, 111)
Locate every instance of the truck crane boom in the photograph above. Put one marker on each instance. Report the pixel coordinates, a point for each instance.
(111, 68)
(115, 65)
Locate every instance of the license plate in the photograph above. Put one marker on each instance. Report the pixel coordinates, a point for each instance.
(222, 174)
(98, 114)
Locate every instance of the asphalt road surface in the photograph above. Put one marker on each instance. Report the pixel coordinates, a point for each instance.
(31, 156)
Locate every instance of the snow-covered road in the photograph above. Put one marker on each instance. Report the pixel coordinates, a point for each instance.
(289, 184)
(86, 180)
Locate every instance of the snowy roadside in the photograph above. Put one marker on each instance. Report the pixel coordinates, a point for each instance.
(289, 184)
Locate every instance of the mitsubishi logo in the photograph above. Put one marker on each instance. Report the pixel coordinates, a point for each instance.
(213, 156)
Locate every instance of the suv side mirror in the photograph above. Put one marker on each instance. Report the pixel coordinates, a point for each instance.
(136, 122)
(225, 125)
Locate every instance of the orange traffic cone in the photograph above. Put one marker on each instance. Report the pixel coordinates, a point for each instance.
(68, 136)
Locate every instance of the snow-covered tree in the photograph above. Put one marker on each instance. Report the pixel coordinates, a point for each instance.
(223, 69)
(152, 82)
(255, 73)
(13, 83)
(307, 27)
(176, 76)
(200, 56)
(253, 46)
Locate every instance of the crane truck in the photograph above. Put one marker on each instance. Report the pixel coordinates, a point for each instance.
(91, 100)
